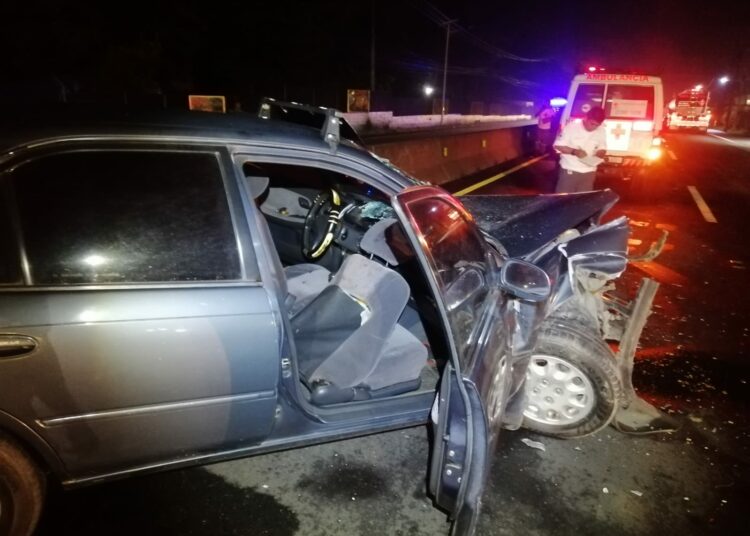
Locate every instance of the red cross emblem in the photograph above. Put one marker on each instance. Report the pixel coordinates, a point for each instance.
(618, 131)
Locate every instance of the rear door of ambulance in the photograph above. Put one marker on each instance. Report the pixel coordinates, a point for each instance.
(633, 112)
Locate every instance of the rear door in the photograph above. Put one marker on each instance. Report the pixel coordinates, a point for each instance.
(151, 335)
(468, 409)
(630, 110)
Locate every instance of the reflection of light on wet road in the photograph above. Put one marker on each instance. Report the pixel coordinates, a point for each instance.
(655, 353)
(661, 273)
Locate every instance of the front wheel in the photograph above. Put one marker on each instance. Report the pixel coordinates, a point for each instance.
(21, 490)
(573, 388)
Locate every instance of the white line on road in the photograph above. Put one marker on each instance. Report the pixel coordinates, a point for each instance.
(723, 138)
(671, 154)
(702, 205)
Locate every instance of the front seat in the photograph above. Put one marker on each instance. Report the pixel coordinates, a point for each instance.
(349, 344)
(301, 282)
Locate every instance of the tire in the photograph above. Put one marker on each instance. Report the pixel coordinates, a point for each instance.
(21, 490)
(582, 390)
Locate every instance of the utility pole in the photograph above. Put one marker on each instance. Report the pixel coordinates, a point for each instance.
(445, 66)
(372, 49)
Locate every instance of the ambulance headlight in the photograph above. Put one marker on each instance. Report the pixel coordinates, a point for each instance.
(654, 153)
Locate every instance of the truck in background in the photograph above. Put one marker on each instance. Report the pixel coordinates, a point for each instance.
(689, 110)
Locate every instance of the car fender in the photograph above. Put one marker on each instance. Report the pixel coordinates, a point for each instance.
(33, 443)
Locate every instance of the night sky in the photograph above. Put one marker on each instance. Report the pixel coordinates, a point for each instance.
(313, 51)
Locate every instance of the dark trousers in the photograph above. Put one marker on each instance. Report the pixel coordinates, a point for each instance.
(572, 181)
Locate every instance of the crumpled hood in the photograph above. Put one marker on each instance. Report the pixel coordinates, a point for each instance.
(524, 223)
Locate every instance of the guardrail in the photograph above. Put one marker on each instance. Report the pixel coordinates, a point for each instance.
(437, 153)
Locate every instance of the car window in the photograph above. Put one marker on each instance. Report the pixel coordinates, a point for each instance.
(629, 102)
(587, 96)
(10, 267)
(125, 217)
(460, 260)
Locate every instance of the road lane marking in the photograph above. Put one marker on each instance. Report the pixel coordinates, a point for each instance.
(702, 205)
(723, 138)
(499, 176)
(671, 154)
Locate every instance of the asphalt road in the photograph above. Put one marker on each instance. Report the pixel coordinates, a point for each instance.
(693, 364)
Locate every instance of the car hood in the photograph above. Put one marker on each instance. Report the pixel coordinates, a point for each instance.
(525, 223)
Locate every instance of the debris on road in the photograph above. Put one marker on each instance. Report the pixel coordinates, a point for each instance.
(636, 492)
(605, 490)
(533, 444)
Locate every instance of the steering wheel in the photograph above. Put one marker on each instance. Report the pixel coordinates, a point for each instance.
(321, 223)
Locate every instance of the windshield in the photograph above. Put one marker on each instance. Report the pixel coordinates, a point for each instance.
(587, 96)
(459, 257)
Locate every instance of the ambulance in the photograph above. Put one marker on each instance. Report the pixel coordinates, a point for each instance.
(633, 106)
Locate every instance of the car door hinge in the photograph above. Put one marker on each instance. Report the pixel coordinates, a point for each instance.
(286, 367)
(453, 472)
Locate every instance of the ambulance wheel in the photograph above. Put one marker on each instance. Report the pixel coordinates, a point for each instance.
(573, 387)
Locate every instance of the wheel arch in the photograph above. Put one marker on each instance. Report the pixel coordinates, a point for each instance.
(37, 448)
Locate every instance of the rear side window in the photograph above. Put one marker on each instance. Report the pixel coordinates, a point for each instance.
(587, 96)
(93, 217)
(10, 267)
(629, 102)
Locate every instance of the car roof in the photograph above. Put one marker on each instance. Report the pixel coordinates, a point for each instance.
(21, 127)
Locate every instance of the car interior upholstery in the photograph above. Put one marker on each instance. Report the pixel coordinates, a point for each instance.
(360, 330)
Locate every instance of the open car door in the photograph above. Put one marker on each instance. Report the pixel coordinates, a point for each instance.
(490, 308)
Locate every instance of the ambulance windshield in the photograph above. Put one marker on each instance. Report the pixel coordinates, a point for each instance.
(587, 96)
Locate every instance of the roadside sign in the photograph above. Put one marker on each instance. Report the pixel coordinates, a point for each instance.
(207, 103)
(358, 100)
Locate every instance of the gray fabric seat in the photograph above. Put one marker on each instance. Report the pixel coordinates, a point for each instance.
(349, 345)
(304, 282)
(375, 241)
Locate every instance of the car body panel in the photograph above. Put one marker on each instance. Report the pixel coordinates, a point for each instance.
(125, 377)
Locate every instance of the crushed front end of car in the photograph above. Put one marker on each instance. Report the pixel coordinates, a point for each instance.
(575, 383)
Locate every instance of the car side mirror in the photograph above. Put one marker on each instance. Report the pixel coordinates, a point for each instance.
(525, 281)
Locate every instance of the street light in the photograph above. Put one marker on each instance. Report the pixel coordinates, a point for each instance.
(428, 90)
(722, 80)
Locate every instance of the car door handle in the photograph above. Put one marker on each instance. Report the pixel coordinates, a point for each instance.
(16, 345)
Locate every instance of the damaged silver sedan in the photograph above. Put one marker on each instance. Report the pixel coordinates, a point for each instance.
(188, 288)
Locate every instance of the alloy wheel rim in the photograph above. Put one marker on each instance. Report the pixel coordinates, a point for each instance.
(558, 393)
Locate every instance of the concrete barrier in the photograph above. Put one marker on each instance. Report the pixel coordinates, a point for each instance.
(442, 155)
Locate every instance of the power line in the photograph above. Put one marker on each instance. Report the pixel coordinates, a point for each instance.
(441, 19)
(422, 65)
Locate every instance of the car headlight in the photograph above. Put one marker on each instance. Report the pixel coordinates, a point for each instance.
(654, 153)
